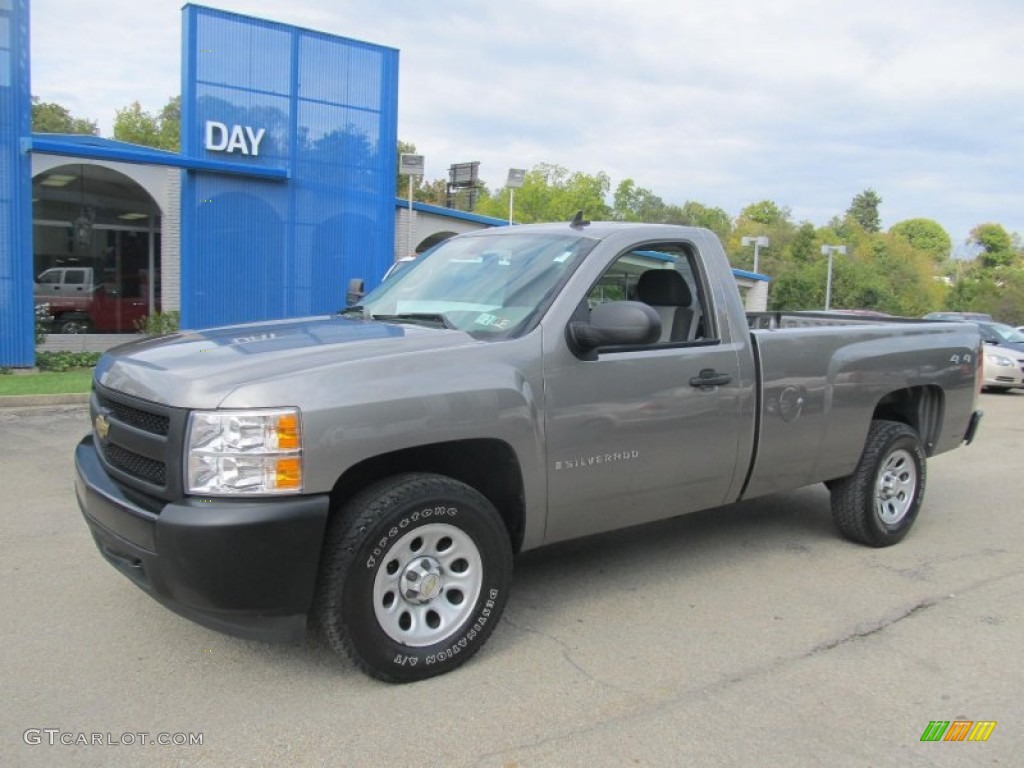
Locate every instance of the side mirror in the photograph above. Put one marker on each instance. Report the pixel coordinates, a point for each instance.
(356, 291)
(615, 324)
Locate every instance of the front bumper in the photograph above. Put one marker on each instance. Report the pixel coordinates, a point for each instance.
(244, 567)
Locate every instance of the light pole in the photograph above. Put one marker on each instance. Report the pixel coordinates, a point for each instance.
(410, 165)
(516, 176)
(761, 241)
(829, 250)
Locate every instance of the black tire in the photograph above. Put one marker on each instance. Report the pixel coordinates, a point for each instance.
(381, 549)
(878, 504)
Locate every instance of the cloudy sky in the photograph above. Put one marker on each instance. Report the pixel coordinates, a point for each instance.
(726, 102)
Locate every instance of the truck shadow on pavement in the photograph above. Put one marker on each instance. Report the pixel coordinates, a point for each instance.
(796, 521)
(794, 525)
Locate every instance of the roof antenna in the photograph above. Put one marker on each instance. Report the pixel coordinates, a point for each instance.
(578, 222)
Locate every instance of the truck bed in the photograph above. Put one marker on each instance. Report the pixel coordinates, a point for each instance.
(822, 376)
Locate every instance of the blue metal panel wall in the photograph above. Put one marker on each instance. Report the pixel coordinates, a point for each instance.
(256, 249)
(17, 342)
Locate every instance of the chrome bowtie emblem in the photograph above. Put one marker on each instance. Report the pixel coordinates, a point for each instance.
(102, 426)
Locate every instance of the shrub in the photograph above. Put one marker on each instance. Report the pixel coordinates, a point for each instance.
(42, 322)
(65, 361)
(159, 323)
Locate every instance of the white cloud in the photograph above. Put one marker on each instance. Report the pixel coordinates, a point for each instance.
(802, 102)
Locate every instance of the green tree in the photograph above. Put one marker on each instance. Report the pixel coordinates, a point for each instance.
(48, 117)
(768, 219)
(170, 124)
(864, 210)
(926, 236)
(909, 274)
(584, 192)
(434, 192)
(135, 125)
(802, 248)
(551, 193)
(800, 287)
(981, 289)
(633, 203)
(765, 212)
(1008, 305)
(694, 214)
(858, 283)
(996, 245)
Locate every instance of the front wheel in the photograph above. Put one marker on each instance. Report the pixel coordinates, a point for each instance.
(415, 574)
(879, 502)
(74, 324)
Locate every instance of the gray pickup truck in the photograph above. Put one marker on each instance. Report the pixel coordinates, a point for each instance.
(372, 473)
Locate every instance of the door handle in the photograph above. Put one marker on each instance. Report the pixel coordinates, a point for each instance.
(709, 378)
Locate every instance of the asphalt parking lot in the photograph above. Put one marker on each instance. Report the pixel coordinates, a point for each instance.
(747, 635)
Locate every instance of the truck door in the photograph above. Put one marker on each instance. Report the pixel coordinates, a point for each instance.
(634, 435)
(76, 281)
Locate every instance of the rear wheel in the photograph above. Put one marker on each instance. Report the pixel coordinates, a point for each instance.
(879, 502)
(415, 574)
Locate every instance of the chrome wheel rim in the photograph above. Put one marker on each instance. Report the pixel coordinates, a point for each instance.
(895, 487)
(427, 584)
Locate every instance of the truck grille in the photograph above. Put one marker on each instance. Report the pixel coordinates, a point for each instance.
(140, 442)
(150, 470)
(149, 422)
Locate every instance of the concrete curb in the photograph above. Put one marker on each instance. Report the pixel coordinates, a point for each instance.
(20, 401)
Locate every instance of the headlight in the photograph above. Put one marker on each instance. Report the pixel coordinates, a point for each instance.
(999, 360)
(251, 452)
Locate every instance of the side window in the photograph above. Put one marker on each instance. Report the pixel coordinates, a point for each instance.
(665, 277)
(49, 277)
(74, 276)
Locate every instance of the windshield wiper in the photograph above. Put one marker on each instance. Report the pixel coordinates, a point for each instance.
(419, 318)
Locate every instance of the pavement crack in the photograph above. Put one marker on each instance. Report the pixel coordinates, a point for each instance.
(645, 705)
(566, 653)
(860, 632)
(873, 629)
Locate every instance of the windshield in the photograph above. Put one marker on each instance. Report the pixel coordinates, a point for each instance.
(487, 285)
(1004, 333)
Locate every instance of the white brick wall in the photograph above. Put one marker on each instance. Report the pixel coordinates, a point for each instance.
(757, 297)
(170, 238)
(85, 342)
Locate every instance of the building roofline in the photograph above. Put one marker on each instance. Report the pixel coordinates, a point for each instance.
(751, 275)
(98, 148)
(438, 210)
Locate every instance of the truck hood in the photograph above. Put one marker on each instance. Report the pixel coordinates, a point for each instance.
(201, 368)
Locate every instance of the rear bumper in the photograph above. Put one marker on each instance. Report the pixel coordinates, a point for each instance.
(972, 426)
(245, 567)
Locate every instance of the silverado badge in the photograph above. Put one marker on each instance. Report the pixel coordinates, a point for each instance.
(102, 426)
